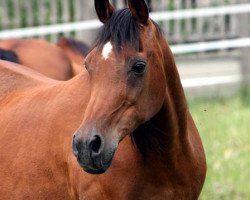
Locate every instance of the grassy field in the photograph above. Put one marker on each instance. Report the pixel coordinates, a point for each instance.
(224, 125)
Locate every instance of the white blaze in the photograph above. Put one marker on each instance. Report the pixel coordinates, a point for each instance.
(107, 49)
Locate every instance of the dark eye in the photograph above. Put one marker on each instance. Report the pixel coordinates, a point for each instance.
(138, 68)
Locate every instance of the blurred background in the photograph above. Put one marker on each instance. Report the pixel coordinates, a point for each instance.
(211, 43)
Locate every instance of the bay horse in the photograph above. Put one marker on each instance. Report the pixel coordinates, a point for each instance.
(120, 129)
(38, 55)
(9, 56)
(75, 50)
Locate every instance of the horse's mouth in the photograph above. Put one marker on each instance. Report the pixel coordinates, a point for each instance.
(98, 166)
(94, 171)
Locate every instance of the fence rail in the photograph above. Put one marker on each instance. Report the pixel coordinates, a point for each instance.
(210, 46)
(193, 22)
(157, 16)
(183, 27)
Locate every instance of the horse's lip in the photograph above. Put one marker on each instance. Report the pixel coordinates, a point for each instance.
(92, 170)
(95, 171)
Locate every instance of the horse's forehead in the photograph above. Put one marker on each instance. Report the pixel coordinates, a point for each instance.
(108, 52)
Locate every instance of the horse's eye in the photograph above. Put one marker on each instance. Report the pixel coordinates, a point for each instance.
(139, 68)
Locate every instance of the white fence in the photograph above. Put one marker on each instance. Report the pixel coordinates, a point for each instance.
(175, 17)
(234, 32)
(157, 16)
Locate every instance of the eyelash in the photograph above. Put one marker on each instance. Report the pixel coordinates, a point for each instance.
(138, 68)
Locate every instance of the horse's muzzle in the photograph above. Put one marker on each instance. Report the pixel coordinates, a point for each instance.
(93, 154)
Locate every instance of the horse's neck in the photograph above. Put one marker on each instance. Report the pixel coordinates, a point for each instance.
(68, 100)
(74, 95)
(175, 101)
(163, 136)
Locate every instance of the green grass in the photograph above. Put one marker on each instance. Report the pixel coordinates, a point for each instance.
(224, 125)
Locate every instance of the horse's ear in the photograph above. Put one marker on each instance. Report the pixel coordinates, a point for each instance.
(139, 10)
(104, 10)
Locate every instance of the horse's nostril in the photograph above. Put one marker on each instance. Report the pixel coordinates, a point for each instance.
(95, 144)
(76, 146)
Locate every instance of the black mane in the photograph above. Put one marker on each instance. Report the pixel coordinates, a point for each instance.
(121, 29)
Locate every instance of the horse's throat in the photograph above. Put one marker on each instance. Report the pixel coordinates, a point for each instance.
(159, 137)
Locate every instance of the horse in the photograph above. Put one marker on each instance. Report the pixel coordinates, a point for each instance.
(9, 56)
(38, 55)
(75, 50)
(120, 129)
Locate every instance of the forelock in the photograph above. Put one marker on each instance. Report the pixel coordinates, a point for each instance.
(121, 30)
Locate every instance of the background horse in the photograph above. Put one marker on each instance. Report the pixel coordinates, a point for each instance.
(129, 117)
(41, 56)
(75, 50)
(9, 56)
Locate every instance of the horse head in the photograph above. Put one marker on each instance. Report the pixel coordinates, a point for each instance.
(127, 82)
